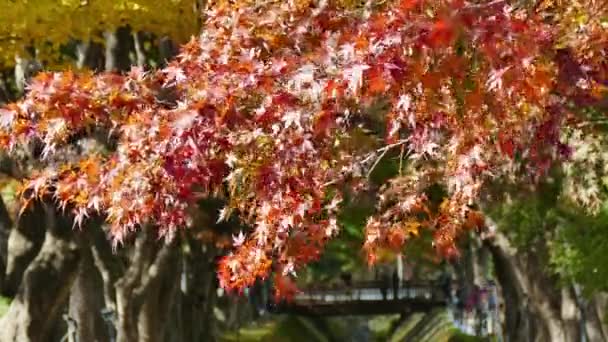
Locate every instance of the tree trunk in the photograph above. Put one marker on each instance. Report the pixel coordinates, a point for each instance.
(158, 288)
(108, 265)
(118, 46)
(167, 50)
(24, 242)
(125, 286)
(145, 292)
(45, 288)
(199, 292)
(596, 316)
(536, 309)
(90, 55)
(87, 301)
(2, 271)
(6, 95)
(140, 54)
(24, 69)
(5, 228)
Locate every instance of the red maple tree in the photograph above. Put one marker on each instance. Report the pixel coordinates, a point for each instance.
(265, 108)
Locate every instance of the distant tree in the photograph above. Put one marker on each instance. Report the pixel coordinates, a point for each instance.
(45, 26)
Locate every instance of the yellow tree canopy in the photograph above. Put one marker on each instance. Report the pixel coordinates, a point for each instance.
(47, 24)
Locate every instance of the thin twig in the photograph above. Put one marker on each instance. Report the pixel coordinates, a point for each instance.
(592, 123)
(483, 5)
(383, 150)
(401, 160)
(376, 162)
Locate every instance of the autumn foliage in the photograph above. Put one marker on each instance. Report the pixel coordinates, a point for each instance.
(264, 109)
(48, 26)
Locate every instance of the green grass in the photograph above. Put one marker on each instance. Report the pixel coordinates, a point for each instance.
(437, 328)
(251, 333)
(301, 329)
(406, 327)
(381, 326)
(459, 336)
(4, 304)
(281, 329)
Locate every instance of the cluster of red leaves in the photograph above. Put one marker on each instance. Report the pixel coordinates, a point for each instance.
(259, 108)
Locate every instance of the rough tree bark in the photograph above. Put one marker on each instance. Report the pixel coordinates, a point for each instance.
(24, 69)
(118, 46)
(107, 264)
(517, 313)
(167, 49)
(473, 268)
(157, 289)
(537, 309)
(595, 314)
(90, 55)
(5, 227)
(126, 324)
(25, 240)
(140, 53)
(141, 294)
(197, 296)
(45, 287)
(6, 95)
(87, 300)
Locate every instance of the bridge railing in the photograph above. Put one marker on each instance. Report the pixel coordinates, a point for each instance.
(371, 291)
(364, 298)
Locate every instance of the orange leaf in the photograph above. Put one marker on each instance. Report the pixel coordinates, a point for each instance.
(474, 220)
(441, 34)
(378, 23)
(334, 89)
(284, 288)
(431, 80)
(474, 100)
(395, 238)
(406, 5)
(361, 43)
(506, 144)
(377, 84)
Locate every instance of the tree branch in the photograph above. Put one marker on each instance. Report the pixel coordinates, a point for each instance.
(156, 270)
(368, 157)
(109, 267)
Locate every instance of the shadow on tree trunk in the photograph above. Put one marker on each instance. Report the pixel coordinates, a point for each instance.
(45, 287)
(537, 306)
(24, 243)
